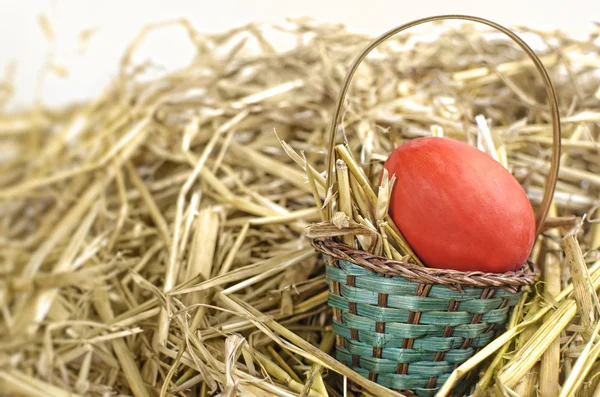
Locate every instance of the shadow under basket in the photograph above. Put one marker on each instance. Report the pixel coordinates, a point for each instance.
(407, 327)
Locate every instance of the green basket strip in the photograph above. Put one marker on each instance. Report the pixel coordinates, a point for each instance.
(470, 330)
(358, 295)
(399, 329)
(412, 330)
(409, 302)
(431, 344)
(400, 286)
(353, 270)
(451, 319)
(404, 382)
(376, 313)
(397, 381)
(419, 303)
(497, 316)
(384, 366)
(454, 356)
(392, 286)
(427, 304)
(383, 314)
(512, 299)
(483, 339)
(399, 355)
(375, 282)
(443, 318)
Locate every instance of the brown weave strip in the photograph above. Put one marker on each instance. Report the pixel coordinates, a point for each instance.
(413, 318)
(382, 301)
(351, 280)
(334, 288)
(454, 279)
(448, 331)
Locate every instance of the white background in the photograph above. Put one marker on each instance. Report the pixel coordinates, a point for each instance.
(117, 21)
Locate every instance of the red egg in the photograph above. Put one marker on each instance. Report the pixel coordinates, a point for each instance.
(458, 208)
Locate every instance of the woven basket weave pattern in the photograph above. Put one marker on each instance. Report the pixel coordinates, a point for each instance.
(408, 335)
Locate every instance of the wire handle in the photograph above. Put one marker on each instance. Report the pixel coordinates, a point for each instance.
(550, 92)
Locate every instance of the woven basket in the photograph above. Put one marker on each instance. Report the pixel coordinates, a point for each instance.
(407, 327)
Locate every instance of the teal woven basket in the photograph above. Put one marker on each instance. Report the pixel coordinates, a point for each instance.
(407, 327)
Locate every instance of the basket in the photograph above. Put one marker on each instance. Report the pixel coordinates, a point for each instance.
(407, 327)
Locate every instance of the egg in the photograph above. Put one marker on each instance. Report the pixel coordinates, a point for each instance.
(458, 208)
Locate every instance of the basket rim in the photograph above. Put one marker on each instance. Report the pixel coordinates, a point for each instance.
(454, 279)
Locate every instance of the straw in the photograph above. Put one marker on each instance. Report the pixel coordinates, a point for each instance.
(154, 240)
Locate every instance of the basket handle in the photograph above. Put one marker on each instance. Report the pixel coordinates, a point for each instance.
(550, 92)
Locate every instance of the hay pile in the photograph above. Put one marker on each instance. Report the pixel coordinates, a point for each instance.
(152, 240)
